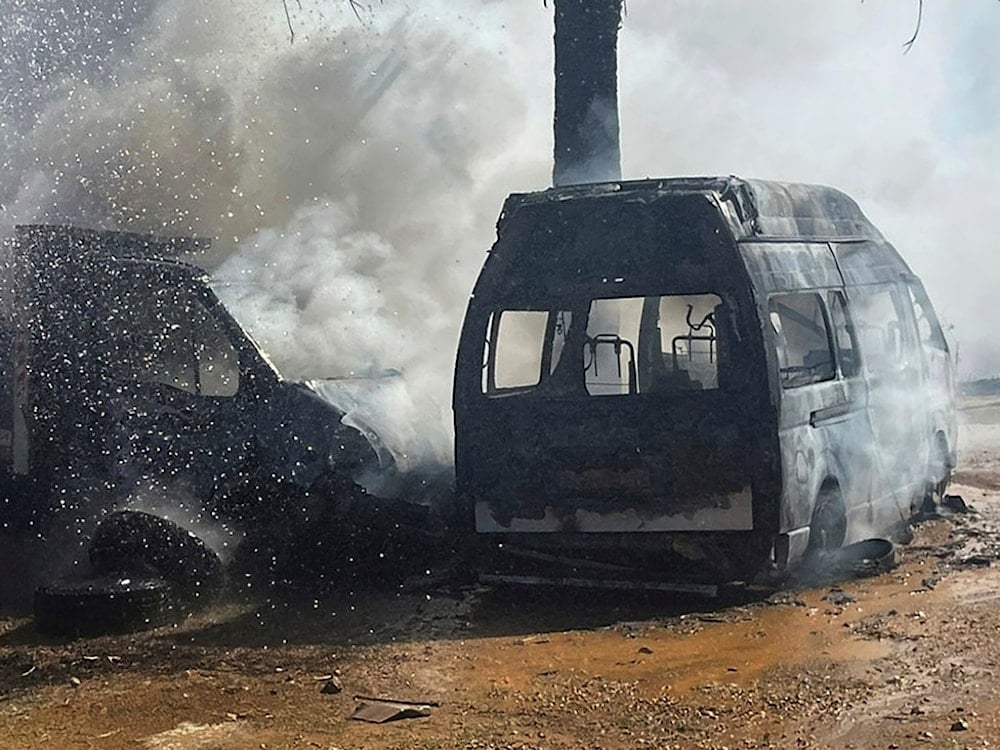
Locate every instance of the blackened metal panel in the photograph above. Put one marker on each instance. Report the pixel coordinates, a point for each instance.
(70, 243)
(751, 208)
(807, 212)
(869, 262)
(826, 436)
(627, 244)
(788, 266)
(612, 465)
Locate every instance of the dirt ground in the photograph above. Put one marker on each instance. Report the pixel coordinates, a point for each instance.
(906, 659)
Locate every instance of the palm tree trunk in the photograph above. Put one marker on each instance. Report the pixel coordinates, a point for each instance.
(586, 113)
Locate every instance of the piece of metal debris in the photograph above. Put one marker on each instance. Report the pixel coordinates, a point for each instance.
(381, 710)
(785, 597)
(331, 686)
(839, 598)
(955, 503)
(711, 617)
(975, 561)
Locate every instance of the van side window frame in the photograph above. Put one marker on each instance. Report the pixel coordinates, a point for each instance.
(918, 299)
(787, 382)
(837, 302)
(906, 329)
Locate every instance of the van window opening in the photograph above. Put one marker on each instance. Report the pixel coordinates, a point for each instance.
(616, 346)
(177, 342)
(928, 328)
(843, 334)
(803, 339)
(883, 329)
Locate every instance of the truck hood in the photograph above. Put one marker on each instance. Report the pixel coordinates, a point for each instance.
(406, 430)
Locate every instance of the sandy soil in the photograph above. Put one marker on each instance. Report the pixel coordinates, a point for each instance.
(907, 659)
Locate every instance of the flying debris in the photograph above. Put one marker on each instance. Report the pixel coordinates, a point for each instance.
(125, 378)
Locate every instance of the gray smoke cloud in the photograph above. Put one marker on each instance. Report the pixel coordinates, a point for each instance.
(351, 180)
(821, 92)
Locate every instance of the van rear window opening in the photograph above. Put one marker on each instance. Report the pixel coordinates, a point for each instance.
(614, 346)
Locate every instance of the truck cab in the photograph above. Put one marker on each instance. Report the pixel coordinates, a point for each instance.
(125, 367)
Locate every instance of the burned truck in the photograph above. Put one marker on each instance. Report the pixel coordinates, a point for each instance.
(122, 366)
(685, 380)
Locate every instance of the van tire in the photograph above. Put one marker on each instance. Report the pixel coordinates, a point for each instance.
(939, 474)
(112, 604)
(132, 541)
(828, 528)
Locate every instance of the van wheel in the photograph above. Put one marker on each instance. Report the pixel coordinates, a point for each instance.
(940, 471)
(829, 523)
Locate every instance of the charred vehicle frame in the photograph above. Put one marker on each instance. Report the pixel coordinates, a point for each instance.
(123, 366)
(694, 379)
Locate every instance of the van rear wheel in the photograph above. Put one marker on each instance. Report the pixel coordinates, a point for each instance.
(829, 523)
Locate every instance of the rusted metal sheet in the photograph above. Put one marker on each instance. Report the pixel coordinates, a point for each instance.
(730, 512)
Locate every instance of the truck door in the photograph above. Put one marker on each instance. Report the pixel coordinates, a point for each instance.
(182, 409)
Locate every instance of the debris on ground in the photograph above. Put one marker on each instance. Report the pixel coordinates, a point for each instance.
(381, 710)
(975, 561)
(955, 503)
(839, 597)
(785, 597)
(331, 686)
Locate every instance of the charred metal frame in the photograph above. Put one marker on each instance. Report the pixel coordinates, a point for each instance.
(78, 419)
(595, 479)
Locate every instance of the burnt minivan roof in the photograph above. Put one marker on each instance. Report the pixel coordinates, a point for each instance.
(754, 209)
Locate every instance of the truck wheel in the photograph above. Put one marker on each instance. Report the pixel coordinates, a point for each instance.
(130, 541)
(113, 604)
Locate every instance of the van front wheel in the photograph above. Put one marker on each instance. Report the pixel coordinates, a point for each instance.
(940, 470)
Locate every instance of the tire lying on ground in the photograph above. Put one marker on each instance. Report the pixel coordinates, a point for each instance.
(112, 604)
(130, 540)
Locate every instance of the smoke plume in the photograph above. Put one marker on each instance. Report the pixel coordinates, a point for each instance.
(350, 180)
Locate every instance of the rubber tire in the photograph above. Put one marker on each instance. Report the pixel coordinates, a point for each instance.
(131, 540)
(939, 477)
(829, 524)
(112, 604)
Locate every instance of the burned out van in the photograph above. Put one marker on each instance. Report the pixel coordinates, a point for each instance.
(684, 379)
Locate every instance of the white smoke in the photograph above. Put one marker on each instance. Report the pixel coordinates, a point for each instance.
(351, 180)
(822, 93)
